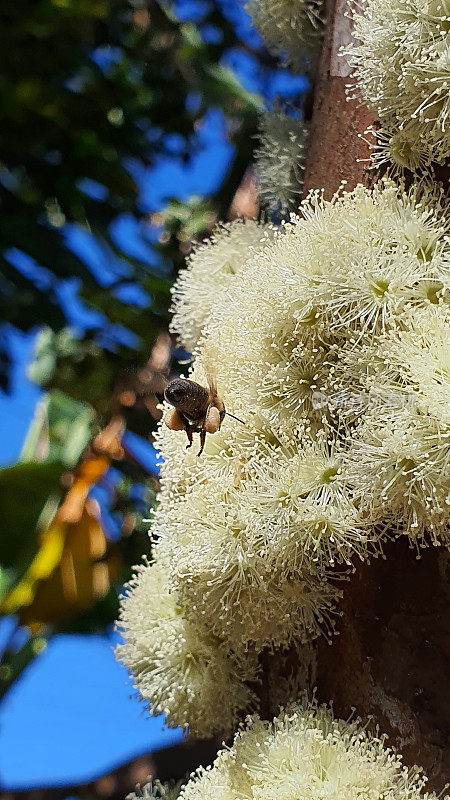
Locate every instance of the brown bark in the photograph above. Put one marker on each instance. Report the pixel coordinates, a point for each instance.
(391, 659)
(335, 151)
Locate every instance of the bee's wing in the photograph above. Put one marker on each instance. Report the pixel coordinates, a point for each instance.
(211, 376)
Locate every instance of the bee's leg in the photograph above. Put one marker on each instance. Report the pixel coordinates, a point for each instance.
(202, 441)
(188, 429)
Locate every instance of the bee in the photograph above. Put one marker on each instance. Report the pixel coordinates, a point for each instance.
(195, 409)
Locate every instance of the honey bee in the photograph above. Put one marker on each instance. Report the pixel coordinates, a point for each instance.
(195, 409)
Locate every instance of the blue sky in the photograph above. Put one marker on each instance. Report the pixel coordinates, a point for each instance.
(17, 407)
(72, 715)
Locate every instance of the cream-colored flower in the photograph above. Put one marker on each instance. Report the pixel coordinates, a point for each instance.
(322, 333)
(399, 465)
(307, 753)
(210, 270)
(180, 668)
(416, 360)
(399, 457)
(402, 66)
(399, 149)
(296, 342)
(289, 28)
(280, 159)
(302, 502)
(155, 790)
(232, 575)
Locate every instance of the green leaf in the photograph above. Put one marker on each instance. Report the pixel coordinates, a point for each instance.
(60, 431)
(26, 492)
(13, 663)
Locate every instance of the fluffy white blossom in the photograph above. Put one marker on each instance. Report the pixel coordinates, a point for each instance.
(210, 270)
(290, 28)
(180, 669)
(318, 340)
(302, 502)
(295, 341)
(155, 790)
(280, 159)
(307, 753)
(232, 572)
(400, 467)
(402, 67)
(416, 358)
(399, 459)
(399, 149)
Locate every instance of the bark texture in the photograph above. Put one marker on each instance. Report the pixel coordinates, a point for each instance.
(391, 659)
(335, 151)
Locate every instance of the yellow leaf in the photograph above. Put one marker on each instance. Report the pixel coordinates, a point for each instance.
(44, 563)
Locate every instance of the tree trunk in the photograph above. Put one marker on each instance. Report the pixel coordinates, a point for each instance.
(391, 659)
(336, 153)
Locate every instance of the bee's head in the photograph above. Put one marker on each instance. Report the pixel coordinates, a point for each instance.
(175, 392)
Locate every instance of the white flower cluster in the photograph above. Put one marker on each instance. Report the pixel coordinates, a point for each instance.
(210, 270)
(290, 28)
(331, 343)
(155, 790)
(182, 670)
(402, 67)
(280, 159)
(306, 753)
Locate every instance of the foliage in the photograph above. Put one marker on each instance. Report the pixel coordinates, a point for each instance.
(90, 91)
(94, 93)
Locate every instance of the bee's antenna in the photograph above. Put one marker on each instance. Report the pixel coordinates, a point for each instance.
(236, 418)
